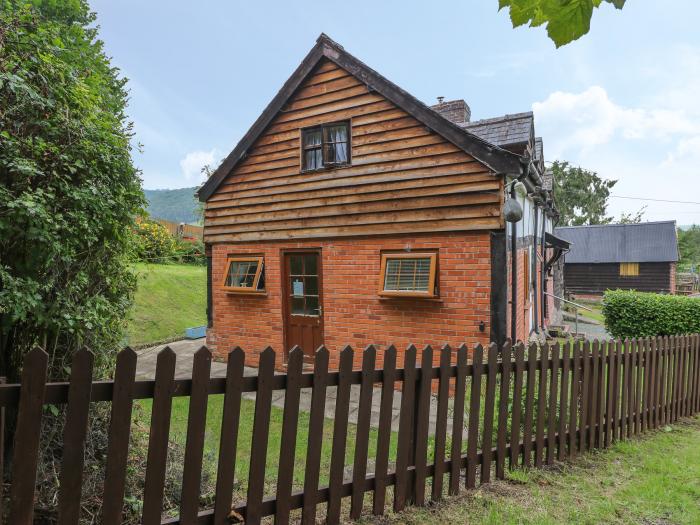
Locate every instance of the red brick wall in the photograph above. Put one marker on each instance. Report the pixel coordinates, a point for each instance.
(353, 312)
(672, 271)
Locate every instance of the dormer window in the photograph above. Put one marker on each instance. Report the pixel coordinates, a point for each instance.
(325, 146)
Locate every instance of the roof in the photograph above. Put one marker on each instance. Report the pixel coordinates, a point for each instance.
(615, 243)
(508, 130)
(493, 157)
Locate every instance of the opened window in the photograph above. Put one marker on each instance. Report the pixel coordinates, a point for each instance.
(408, 274)
(629, 269)
(244, 275)
(326, 146)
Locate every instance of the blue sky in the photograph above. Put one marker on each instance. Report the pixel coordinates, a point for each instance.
(623, 100)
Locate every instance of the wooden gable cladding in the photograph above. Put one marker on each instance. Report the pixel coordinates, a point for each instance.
(403, 177)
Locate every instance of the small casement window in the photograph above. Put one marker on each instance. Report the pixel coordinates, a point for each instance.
(325, 146)
(244, 275)
(629, 269)
(408, 274)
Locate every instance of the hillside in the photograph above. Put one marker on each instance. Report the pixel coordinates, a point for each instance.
(178, 205)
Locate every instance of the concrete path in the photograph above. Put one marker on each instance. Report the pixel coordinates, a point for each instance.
(185, 350)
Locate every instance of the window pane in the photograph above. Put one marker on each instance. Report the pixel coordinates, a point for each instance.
(312, 306)
(295, 263)
(298, 287)
(313, 159)
(312, 137)
(310, 264)
(311, 285)
(241, 274)
(336, 144)
(298, 305)
(407, 275)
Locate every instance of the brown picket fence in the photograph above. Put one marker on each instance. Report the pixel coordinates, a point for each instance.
(508, 408)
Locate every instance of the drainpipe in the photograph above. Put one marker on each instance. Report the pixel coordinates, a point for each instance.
(513, 273)
(542, 268)
(533, 267)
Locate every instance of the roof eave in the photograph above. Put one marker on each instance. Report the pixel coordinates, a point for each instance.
(497, 159)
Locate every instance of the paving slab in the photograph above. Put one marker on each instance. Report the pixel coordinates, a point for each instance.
(185, 350)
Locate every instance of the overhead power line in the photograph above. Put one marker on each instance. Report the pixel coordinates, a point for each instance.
(654, 200)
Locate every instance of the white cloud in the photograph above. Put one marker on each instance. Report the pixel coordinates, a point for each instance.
(192, 163)
(577, 122)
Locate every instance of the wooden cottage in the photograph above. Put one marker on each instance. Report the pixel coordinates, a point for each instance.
(351, 213)
(621, 256)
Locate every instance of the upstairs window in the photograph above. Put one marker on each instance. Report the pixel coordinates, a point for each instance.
(244, 275)
(326, 146)
(629, 269)
(408, 274)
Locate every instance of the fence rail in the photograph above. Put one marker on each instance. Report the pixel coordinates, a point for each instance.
(511, 407)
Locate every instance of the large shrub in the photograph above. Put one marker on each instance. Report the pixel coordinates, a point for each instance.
(637, 314)
(69, 195)
(154, 243)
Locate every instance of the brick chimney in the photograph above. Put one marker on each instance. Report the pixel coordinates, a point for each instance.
(455, 110)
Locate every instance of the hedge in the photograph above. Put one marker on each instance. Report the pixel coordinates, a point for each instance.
(637, 314)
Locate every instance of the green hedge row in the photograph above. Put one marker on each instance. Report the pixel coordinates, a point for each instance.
(637, 314)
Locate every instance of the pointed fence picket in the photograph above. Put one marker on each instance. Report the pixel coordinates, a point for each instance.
(559, 402)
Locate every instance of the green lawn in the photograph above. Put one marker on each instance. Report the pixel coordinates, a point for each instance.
(178, 434)
(169, 298)
(651, 480)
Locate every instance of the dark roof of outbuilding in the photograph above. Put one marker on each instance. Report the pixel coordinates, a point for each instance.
(504, 131)
(614, 243)
(496, 158)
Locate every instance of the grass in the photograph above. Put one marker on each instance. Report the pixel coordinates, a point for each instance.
(178, 434)
(169, 299)
(652, 480)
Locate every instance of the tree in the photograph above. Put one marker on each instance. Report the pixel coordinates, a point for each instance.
(689, 245)
(69, 192)
(567, 20)
(632, 217)
(69, 195)
(581, 196)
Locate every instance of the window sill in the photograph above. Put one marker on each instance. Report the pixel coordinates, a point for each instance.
(326, 168)
(257, 293)
(427, 298)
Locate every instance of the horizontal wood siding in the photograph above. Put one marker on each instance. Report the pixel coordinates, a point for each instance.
(596, 278)
(403, 177)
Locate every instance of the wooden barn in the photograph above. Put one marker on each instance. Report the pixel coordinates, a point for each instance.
(639, 257)
(352, 213)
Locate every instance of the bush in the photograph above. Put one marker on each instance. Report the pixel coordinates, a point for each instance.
(190, 252)
(154, 243)
(637, 314)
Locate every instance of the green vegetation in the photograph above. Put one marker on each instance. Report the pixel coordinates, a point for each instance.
(174, 205)
(178, 434)
(169, 298)
(689, 246)
(654, 479)
(638, 314)
(567, 20)
(581, 195)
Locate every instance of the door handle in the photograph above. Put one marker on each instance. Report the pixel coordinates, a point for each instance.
(320, 310)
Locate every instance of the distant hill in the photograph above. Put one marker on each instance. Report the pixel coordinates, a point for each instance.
(174, 205)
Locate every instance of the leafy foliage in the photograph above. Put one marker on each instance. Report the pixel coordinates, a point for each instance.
(632, 217)
(155, 244)
(581, 195)
(566, 20)
(69, 191)
(638, 314)
(689, 245)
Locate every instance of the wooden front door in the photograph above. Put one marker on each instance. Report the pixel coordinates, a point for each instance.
(303, 295)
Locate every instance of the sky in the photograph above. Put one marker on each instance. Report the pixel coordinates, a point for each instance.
(624, 100)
